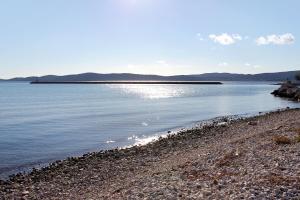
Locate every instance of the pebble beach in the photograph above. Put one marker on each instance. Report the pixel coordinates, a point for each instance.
(247, 158)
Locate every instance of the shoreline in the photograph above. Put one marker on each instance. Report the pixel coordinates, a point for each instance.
(98, 174)
(25, 170)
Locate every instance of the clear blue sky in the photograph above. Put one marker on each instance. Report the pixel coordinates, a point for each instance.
(39, 37)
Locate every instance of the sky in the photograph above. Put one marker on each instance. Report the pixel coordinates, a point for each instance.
(164, 37)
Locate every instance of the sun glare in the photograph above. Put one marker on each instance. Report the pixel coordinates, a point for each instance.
(134, 3)
(151, 91)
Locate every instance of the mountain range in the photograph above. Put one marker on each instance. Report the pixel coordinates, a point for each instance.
(276, 76)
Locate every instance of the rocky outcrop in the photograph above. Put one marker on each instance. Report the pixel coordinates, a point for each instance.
(288, 90)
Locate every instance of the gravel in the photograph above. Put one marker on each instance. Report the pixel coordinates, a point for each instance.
(238, 159)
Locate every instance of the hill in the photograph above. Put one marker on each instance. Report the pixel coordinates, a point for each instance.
(277, 76)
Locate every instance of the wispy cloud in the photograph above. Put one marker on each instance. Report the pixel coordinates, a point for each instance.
(284, 39)
(223, 64)
(225, 38)
(199, 37)
(162, 62)
(251, 65)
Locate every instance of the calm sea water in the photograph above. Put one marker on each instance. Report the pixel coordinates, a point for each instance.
(43, 123)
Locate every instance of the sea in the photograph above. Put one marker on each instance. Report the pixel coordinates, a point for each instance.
(43, 123)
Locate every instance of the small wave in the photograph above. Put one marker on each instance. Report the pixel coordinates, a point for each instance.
(144, 124)
(110, 141)
(144, 141)
(133, 137)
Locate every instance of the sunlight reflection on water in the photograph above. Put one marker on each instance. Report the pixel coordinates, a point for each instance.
(151, 91)
(43, 123)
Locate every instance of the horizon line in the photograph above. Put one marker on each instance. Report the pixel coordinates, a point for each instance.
(39, 76)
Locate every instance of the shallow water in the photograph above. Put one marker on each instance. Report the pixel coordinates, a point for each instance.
(43, 123)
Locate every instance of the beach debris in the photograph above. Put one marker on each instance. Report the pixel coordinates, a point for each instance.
(281, 139)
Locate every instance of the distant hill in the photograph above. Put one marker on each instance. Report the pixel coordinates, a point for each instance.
(277, 76)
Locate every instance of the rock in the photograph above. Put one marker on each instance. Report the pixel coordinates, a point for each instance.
(215, 182)
(297, 95)
(25, 192)
(252, 123)
(222, 124)
(288, 90)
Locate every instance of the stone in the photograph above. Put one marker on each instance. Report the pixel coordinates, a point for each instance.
(252, 123)
(25, 192)
(288, 90)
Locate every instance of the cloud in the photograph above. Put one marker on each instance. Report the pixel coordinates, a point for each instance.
(225, 39)
(223, 64)
(162, 62)
(284, 39)
(254, 66)
(237, 37)
(199, 37)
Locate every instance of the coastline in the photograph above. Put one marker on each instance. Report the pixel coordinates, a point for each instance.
(27, 169)
(195, 163)
(215, 121)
